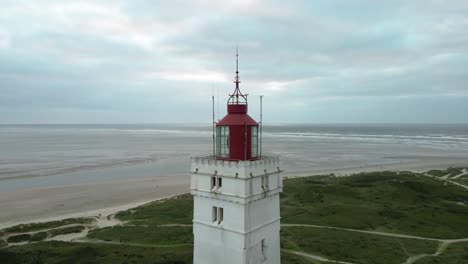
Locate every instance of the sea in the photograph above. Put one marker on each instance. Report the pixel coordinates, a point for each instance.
(40, 156)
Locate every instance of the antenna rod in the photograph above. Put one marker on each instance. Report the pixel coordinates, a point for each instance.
(261, 123)
(237, 59)
(217, 113)
(214, 144)
(245, 141)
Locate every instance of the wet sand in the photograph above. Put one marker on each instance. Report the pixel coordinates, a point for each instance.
(46, 204)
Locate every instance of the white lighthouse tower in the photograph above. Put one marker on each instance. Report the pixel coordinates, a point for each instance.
(236, 192)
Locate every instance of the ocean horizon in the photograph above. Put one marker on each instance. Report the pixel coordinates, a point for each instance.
(44, 155)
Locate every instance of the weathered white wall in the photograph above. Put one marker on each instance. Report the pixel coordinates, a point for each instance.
(251, 213)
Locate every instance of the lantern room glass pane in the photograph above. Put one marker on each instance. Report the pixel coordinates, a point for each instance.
(222, 141)
(254, 142)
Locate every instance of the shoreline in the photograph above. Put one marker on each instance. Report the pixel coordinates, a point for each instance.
(89, 200)
(409, 163)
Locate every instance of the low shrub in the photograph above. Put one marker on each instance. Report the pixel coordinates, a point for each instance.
(19, 238)
(66, 230)
(39, 236)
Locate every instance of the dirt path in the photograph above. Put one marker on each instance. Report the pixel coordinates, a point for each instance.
(365, 231)
(106, 221)
(315, 257)
(440, 249)
(446, 180)
(464, 172)
(169, 225)
(443, 243)
(97, 241)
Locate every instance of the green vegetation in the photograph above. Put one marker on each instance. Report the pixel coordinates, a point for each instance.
(178, 210)
(462, 180)
(176, 235)
(66, 230)
(19, 238)
(39, 236)
(160, 232)
(289, 258)
(54, 252)
(353, 246)
(2, 243)
(405, 203)
(456, 253)
(46, 225)
(450, 172)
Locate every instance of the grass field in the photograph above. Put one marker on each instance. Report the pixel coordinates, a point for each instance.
(144, 235)
(290, 258)
(450, 172)
(178, 210)
(39, 236)
(405, 203)
(45, 225)
(65, 230)
(456, 253)
(19, 238)
(352, 246)
(55, 252)
(463, 180)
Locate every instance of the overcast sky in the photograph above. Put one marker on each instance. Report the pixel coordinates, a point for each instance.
(160, 61)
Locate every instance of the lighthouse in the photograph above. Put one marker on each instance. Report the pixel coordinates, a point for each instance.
(236, 191)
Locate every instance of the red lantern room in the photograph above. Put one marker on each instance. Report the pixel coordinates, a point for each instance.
(237, 132)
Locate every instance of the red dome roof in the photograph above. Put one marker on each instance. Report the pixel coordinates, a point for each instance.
(237, 120)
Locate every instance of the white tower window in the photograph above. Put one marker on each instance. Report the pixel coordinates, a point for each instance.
(217, 214)
(265, 182)
(214, 214)
(264, 248)
(220, 215)
(216, 183)
(213, 182)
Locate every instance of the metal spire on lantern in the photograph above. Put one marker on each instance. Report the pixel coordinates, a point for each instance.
(234, 98)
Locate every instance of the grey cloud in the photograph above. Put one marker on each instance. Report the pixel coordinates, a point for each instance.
(320, 61)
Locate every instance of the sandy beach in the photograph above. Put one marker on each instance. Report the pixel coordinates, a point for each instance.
(46, 204)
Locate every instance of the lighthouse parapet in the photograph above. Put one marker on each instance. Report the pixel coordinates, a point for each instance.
(242, 181)
(206, 164)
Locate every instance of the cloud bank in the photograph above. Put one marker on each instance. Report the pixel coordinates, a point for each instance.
(158, 61)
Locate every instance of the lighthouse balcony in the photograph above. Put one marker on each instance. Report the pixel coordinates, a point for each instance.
(243, 169)
(236, 181)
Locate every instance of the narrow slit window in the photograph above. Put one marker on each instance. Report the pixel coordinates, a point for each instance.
(220, 182)
(221, 215)
(214, 214)
(213, 182)
(264, 248)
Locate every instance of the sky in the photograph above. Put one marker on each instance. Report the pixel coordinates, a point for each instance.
(145, 61)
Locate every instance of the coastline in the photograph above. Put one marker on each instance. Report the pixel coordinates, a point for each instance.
(409, 163)
(81, 200)
(88, 200)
